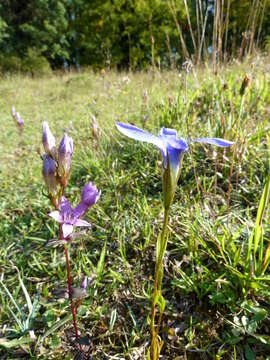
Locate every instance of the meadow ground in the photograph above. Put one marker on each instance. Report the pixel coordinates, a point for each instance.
(216, 281)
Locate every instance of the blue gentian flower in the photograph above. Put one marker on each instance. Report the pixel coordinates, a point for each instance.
(172, 148)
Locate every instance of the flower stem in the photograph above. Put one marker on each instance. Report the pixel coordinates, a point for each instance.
(157, 292)
(70, 291)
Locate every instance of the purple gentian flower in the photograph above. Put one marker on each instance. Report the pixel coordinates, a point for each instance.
(84, 283)
(48, 140)
(69, 217)
(89, 197)
(172, 148)
(65, 151)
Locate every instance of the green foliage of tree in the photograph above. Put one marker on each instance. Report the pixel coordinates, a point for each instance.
(40, 25)
(127, 33)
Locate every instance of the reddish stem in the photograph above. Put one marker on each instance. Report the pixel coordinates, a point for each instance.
(70, 289)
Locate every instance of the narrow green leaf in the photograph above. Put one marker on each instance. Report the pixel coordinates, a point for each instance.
(249, 354)
(11, 298)
(112, 319)
(261, 210)
(57, 325)
(26, 294)
(100, 265)
(9, 344)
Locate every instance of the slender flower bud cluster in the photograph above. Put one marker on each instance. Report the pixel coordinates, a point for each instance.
(56, 164)
(145, 97)
(55, 171)
(95, 129)
(17, 118)
(144, 108)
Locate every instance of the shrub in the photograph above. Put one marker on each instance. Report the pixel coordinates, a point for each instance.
(10, 63)
(35, 64)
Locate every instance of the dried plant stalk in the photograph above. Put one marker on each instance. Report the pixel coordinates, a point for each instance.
(172, 8)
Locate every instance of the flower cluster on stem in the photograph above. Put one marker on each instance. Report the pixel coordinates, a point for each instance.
(18, 120)
(55, 170)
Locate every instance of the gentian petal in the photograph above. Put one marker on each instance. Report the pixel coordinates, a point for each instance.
(90, 194)
(65, 206)
(49, 173)
(79, 222)
(56, 216)
(138, 134)
(48, 140)
(174, 158)
(67, 230)
(215, 141)
(84, 283)
(65, 150)
(174, 147)
(168, 132)
(80, 210)
(177, 143)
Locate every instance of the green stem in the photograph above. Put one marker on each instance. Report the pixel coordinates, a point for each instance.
(161, 249)
(234, 153)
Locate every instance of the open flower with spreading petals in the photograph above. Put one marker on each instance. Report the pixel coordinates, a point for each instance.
(69, 217)
(172, 148)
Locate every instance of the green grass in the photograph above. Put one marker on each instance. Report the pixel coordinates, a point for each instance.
(217, 308)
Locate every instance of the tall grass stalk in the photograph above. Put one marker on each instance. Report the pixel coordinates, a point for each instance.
(261, 22)
(172, 8)
(226, 29)
(203, 36)
(237, 138)
(253, 27)
(190, 27)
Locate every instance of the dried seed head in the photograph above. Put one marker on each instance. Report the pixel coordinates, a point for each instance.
(244, 85)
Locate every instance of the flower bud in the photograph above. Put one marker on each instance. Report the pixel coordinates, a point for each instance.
(90, 194)
(49, 173)
(89, 197)
(48, 140)
(20, 121)
(84, 283)
(65, 151)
